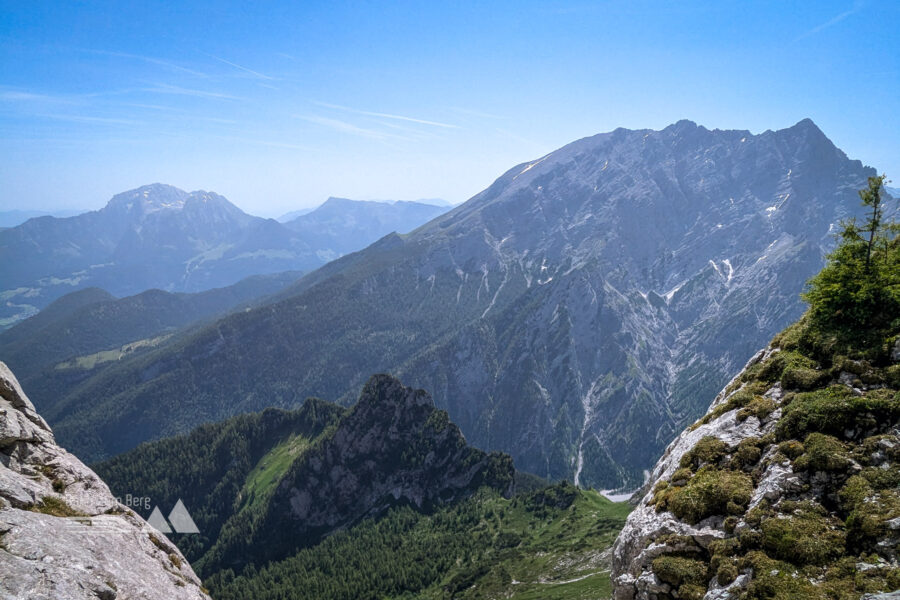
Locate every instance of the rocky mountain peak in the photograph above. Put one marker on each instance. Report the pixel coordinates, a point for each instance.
(384, 393)
(148, 199)
(62, 533)
(684, 127)
(392, 448)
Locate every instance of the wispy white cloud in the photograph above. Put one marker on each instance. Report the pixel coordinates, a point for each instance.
(475, 113)
(151, 106)
(151, 60)
(256, 74)
(411, 133)
(385, 115)
(17, 96)
(858, 5)
(259, 142)
(13, 95)
(345, 127)
(87, 119)
(165, 88)
(218, 120)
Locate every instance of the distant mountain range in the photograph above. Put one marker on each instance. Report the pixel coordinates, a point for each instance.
(439, 202)
(11, 218)
(576, 314)
(158, 236)
(341, 225)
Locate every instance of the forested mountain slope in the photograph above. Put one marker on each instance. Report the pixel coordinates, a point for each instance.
(383, 500)
(81, 331)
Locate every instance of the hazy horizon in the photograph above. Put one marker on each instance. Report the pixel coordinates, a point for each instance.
(279, 109)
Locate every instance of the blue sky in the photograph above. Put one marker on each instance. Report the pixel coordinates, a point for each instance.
(279, 105)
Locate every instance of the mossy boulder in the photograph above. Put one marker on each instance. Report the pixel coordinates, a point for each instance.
(747, 454)
(776, 580)
(759, 407)
(868, 519)
(836, 411)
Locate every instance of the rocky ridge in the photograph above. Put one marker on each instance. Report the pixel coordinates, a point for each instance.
(789, 487)
(62, 533)
(392, 448)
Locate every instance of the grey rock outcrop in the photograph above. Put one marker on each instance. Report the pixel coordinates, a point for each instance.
(637, 545)
(791, 472)
(62, 533)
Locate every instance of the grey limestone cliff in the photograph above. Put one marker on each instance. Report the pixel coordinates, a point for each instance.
(62, 533)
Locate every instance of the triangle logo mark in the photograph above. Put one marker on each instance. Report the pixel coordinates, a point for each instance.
(181, 519)
(158, 522)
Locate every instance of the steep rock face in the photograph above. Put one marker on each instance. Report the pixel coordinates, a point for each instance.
(575, 314)
(62, 533)
(789, 487)
(392, 448)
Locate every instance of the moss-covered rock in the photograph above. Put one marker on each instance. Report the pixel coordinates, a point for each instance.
(791, 449)
(823, 453)
(726, 573)
(824, 480)
(868, 519)
(836, 410)
(709, 450)
(760, 407)
(747, 454)
(710, 492)
(806, 536)
(776, 580)
(679, 570)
